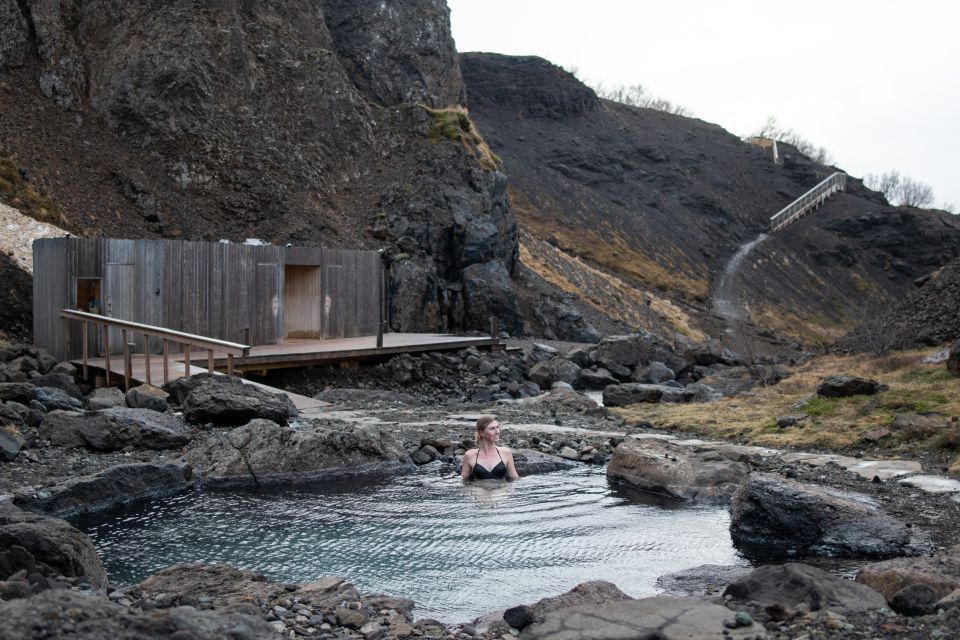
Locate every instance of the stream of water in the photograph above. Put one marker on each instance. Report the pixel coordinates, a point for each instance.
(458, 550)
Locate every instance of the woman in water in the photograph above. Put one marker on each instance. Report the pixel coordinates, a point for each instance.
(488, 460)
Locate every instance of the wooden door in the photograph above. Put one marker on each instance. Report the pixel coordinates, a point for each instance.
(118, 299)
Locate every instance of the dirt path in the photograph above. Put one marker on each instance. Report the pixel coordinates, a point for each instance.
(725, 302)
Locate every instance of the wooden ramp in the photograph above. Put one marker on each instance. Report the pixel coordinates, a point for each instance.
(290, 353)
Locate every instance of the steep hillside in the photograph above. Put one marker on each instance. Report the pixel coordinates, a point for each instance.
(663, 201)
(333, 123)
(929, 315)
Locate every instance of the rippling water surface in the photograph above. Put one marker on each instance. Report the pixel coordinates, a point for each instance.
(458, 550)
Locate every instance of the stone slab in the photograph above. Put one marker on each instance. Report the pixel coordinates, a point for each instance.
(933, 484)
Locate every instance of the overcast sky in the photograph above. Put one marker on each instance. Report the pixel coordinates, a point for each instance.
(877, 83)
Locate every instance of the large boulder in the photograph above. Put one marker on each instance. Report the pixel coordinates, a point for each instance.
(226, 400)
(598, 378)
(563, 395)
(113, 429)
(622, 395)
(845, 386)
(106, 398)
(53, 546)
(618, 352)
(940, 573)
(10, 442)
(147, 397)
(659, 618)
(86, 616)
(708, 353)
(792, 585)
(586, 593)
(554, 370)
(263, 452)
(704, 474)
(778, 517)
(117, 485)
(953, 360)
(530, 462)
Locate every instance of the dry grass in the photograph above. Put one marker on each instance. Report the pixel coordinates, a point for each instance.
(454, 124)
(607, 293)
(607, 247)
(834, 423)
(21, 195)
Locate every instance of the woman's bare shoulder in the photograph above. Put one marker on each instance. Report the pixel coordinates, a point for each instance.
(471, 453)
(506, 451)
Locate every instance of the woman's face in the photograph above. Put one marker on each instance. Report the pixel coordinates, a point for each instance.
(491, 432)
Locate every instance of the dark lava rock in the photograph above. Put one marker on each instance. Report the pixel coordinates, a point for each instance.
(61, 381)
(518, 617)
(488, 290)
(598, 378)
(397, 53)
(530, 462)
(845, 386)
(17, 391)
(10, 444)
(57, 548)
(793, 584)
(106, 398)
(117, 485)
(53, 399)
(546, 90)
(147, 397)
(63, 614)
(225, 400)
(113, 429)
(622, 395)
(553, 370)
(914, 600)
(953, 360)
(263, 452)
(773, 516)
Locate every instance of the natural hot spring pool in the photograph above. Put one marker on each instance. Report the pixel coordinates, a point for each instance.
(458, 551)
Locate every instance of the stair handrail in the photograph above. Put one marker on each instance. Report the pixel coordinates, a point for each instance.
(809, 200)
(187, 340)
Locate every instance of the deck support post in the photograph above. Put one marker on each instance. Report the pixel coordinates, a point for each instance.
(127, 368)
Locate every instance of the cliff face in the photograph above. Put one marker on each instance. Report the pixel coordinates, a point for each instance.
(293, 121)
(663, 202)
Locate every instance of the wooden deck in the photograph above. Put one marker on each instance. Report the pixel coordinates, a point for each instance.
(290, 353)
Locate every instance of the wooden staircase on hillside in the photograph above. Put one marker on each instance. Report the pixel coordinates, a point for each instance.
(809, 201)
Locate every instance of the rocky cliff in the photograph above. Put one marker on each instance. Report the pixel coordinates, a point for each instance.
(333, 123)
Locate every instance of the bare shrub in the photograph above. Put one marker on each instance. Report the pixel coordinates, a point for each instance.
(899, 190)
(775, 131)
(637, 95)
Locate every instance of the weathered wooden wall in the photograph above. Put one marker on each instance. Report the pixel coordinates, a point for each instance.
(219, 290)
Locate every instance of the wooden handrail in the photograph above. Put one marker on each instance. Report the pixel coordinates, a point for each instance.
(203, 342)
(188, 340)
(809, 201)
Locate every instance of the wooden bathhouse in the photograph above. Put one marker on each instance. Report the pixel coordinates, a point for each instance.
(250, 294)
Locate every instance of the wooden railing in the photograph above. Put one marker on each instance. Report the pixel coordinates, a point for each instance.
(808, 201)
(188, 341)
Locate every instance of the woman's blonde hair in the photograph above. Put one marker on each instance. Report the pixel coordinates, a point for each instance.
(482, 423)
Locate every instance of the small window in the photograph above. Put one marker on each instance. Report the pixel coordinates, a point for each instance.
(88, 295)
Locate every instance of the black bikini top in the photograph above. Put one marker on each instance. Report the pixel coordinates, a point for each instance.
(481, 473)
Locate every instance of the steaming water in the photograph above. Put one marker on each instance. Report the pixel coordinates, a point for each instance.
(458, 550)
